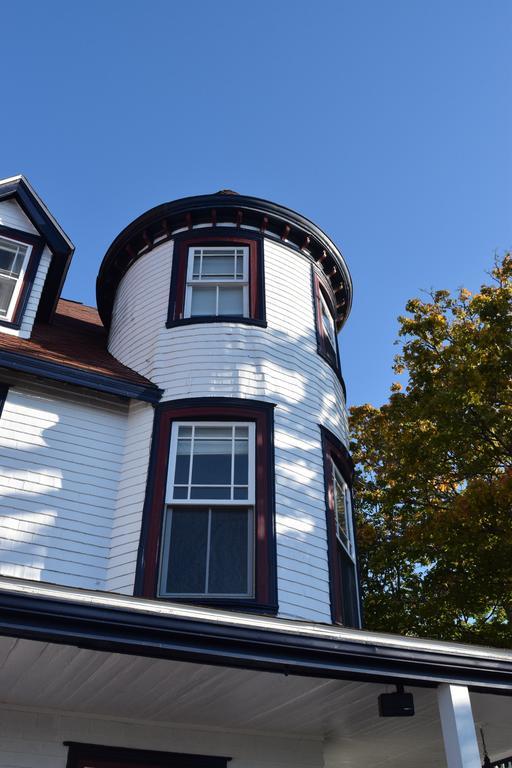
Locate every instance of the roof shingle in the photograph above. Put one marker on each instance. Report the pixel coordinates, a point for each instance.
(77, 339)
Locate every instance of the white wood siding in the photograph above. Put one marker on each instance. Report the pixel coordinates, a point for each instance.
(29, 316)
(140, 311)
(11, 215)
(60, 463)
(130, 499)
(34, 739)
(278, 364)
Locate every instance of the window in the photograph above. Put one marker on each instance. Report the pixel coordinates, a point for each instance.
(14, 257)
(20, 253)
(96, 756)
(217, 277)
(208, 542)
(338, 470)
(327, 344)
(208, 528)
(217, 282)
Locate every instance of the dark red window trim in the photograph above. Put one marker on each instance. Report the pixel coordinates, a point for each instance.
(37, 244)
(217, 236)
(207, 409)
(345, 608)
(98, 756)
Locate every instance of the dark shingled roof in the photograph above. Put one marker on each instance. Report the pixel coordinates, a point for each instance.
(76, 339)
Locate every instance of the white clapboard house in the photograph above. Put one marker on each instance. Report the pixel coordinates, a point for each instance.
(178, 568)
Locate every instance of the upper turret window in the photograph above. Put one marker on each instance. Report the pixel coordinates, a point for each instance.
(217, 282)
(327, 344)
(14, 257)
(217, 276)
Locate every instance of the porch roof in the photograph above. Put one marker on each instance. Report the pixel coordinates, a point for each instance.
(158, 629)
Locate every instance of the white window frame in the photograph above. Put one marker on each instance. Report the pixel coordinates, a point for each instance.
(251, 494)
(8, 317)
(349, 545)
(210, 505)
(214, 281)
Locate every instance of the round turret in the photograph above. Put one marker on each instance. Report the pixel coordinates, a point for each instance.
(232, 305)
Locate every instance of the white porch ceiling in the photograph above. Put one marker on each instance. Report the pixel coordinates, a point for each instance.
(65, 678)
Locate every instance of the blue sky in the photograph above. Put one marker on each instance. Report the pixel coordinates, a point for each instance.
(387, 122)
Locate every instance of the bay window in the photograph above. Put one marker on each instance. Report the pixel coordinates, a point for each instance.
(217, 277)
(208, 528)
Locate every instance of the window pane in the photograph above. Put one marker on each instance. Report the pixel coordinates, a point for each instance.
(179, 492)
(231, 301)
(203, 301)
(228, 552)
(328, 323)
(187, 552)
(7, 287)
(196, 271)
(241, 493)
(185, 432)
(212, 462)
(241, 431)
(240, 267)
(339, 507)
(214, 432)
(219, 263)
(11, 257)
(181, 469)
(241, 474)
(210, 492)
(350, 609)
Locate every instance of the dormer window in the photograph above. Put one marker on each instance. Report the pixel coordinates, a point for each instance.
(14, 257)
(217, 276)
(217, 282)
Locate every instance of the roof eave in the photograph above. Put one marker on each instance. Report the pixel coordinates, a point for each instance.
(69, 375)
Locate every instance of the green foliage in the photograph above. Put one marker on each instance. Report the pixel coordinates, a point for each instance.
(434, 483)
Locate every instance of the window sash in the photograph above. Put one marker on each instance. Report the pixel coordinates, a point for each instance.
(166, 555)
(7, 277)
(190, 486)
(344, 533)
(201, 281)
(328, 325)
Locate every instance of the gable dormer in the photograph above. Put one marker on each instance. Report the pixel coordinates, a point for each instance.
(34, 258)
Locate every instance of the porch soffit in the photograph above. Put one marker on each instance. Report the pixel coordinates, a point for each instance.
(41, 676)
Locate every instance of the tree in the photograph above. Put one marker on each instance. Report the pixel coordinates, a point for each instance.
(434, 472)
